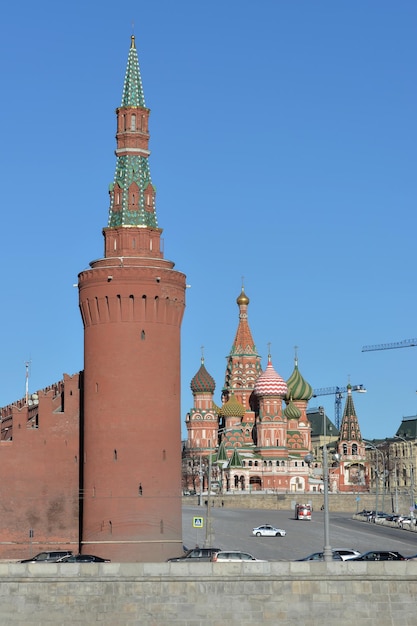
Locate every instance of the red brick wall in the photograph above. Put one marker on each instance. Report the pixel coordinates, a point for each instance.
(39, 472)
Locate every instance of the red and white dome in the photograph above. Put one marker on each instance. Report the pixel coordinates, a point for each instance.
(270, 383)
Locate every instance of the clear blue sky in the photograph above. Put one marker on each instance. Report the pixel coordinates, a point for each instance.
(283, 138)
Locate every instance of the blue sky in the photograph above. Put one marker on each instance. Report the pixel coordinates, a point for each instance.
(283, 138)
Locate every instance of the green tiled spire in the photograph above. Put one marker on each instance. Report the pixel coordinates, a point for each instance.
(132, 88)
(132, 194)
(235, 461)
(221, 454)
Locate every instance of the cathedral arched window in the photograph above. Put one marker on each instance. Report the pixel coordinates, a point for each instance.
(355, 448)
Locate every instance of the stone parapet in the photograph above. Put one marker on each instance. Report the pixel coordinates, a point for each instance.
(208, 594)
(343, 502)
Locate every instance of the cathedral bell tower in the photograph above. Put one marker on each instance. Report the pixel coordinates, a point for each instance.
(132, 303)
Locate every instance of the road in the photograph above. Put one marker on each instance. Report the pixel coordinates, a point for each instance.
(232, 530)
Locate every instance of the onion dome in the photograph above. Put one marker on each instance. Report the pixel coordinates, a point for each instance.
(242, 298)
(298, 388)
(202, 381)
(269, 383)
(232, 408)
(292, 412)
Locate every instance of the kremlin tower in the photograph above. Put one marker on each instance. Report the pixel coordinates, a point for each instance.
(132, 303)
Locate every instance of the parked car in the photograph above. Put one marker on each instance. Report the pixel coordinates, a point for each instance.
(364, 512)
(268, 531)
(347, 553)
(200, 554)
(233, 556)
(380, 515)
(48, 557)
(379, 555)
(83, 558)
(318, 556)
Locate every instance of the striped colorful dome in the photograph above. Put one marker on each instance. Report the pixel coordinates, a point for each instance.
(298, 388)
(202, 381)
(292, 412)
(269, 383)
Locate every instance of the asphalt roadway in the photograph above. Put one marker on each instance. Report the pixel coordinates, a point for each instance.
(232, 530)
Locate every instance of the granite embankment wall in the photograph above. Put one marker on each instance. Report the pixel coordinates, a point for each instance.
(344, 502)
(209, 594)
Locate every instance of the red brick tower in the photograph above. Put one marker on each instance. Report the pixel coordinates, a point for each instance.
(132, 303)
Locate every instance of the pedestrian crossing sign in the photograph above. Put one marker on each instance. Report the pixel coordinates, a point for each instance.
(198, 522)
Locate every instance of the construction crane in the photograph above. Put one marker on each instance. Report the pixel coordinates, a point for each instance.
(407, 343)
(338, 392)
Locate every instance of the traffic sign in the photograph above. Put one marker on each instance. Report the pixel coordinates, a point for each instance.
(198, 522)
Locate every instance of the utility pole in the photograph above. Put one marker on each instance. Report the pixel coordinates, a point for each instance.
(209, 526)
(327, 550)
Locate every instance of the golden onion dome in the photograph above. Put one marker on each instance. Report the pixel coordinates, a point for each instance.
(242, 298)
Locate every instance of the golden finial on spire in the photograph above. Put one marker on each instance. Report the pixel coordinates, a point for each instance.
(242, 298)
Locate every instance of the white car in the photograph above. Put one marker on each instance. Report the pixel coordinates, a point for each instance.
(346, 553)
(268, 531)
(233, 557)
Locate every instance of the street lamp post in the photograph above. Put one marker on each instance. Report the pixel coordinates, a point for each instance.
(200, 495)
(209, 526)
(327, 550)
(371, 445)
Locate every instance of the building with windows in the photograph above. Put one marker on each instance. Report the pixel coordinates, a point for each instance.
(392, 466)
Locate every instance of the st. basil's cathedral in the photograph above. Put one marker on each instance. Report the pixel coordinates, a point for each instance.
(260, 438)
